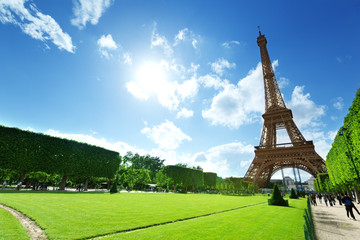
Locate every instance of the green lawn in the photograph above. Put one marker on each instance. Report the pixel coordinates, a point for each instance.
(10, 227)
(83, 215)
(256, 222)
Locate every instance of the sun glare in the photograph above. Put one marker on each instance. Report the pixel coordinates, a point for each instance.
(151, 77)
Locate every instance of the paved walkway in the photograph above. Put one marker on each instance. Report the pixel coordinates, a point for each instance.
(331, 223)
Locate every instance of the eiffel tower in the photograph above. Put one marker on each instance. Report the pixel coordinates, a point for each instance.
(270, 156)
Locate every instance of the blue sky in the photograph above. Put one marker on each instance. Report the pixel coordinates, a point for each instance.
(176, 79)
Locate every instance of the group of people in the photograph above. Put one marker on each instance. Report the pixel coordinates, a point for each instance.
(80, 187)
(342, 198)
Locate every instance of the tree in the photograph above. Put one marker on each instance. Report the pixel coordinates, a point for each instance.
(135, 178)
(343, 159)
(136, 161)
(162, 180)
(323, 182)
(113, 188)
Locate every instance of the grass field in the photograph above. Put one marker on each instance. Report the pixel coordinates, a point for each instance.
(256, 222)
(85, 215)
(10, 227)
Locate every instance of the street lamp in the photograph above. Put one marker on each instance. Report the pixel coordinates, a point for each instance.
(348, 153)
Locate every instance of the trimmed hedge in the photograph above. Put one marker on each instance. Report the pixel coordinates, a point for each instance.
(276, 198)
(293, 194)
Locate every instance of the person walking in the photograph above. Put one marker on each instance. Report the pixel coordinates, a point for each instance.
(313, 199)
(355, 208)
(18, 186)
(4, 185)
(348, 206)
(325, 199)
(320, 197)
(339, 199)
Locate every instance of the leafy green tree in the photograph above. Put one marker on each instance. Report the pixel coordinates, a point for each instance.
(135, 178)
(162, 180)
(136, 161)
(343, 159)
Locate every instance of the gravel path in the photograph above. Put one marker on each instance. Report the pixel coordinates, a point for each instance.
(33, 230)
(331, 223)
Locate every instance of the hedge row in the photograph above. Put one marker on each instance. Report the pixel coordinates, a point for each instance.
(25, 151)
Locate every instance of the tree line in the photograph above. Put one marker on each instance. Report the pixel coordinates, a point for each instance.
(343, 159)
(37, 159)
(180, 178)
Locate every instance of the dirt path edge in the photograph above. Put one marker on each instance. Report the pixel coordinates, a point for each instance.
(33, 230)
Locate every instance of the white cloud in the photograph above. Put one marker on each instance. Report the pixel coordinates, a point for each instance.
(166, 135)
(185, 113)
(230, 44)
(180, 36)
(220, 65)
(88, 11)
(177, 68)
(339, 103)
(154, 80)
(212, 81)
(120, 147)
(34, 23)
(193, 69)
(188, 89)
(167, 95)
(283, 82)
(322, 140)
(186, 35)
(160, 41)
(238, 104)
(194, 43)
(306, 112)
(226, 160)
(127, 58)
(106, 44)
(137, 91)
(170, 156)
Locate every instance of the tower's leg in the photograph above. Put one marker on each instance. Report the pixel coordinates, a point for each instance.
(299, 178)
(295, 178)
(283, 178)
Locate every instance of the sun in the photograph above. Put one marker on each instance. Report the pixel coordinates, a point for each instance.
(151, 77)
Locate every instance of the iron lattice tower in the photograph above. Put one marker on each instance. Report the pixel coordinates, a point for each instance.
(270, 156)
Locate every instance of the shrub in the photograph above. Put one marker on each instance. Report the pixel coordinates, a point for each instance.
(113, 188)
(293, 195)
(276, 198)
